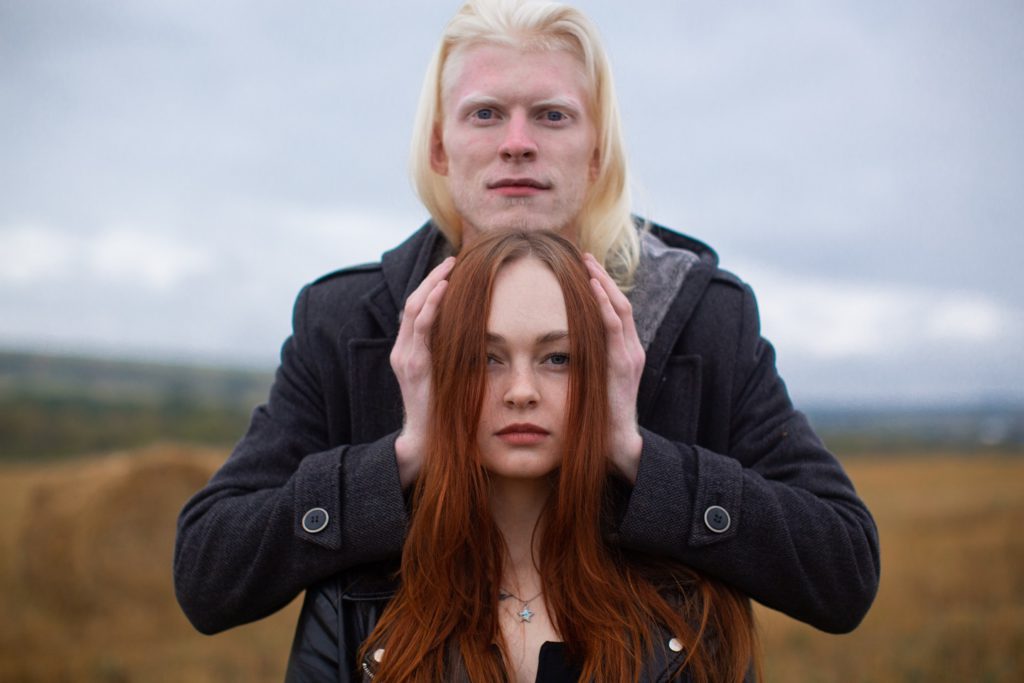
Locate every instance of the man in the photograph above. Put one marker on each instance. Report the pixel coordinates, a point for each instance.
(518, 128)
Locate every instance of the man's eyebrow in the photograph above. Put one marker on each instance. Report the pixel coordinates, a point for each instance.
(546, 338)
(476, 99)
(559, 103)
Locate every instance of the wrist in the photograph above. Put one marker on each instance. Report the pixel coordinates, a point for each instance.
(627, 454)
(408, 457)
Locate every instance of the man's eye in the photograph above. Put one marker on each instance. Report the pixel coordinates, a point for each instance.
(554, 116)
(484, 114)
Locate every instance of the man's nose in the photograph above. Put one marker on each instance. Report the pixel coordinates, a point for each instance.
(522, 391)
(518, 143)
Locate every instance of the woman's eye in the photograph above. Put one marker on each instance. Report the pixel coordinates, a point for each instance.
(559, 359)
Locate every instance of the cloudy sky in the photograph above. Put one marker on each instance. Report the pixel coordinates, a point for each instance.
(172, 171)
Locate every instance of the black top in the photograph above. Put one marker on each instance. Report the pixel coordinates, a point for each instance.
(554, 665)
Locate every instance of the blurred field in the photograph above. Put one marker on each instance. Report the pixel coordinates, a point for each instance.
(85, 585)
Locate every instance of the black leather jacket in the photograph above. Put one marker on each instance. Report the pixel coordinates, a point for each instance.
(340, 613)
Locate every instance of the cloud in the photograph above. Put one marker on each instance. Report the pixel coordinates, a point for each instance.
(150, 260)
(831, 319)
(156, 261)
(31, 253)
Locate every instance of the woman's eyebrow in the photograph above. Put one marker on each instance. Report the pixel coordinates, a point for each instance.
(546, 338)
(557, 335)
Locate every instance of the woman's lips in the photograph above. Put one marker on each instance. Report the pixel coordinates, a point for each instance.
(522, 434)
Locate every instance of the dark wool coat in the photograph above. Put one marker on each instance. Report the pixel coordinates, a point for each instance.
(732, 480)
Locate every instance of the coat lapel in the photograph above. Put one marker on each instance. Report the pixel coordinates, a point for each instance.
(657, 370)
(376, 396)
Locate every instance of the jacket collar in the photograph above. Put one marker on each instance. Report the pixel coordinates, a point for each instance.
(684, 302)
(680, 241)
(380, 584)
(403, 268)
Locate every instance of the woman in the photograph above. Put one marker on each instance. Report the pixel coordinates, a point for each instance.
(507, 573)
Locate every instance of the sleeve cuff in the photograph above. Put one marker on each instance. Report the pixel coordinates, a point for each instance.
(357, 490)
(684, 497)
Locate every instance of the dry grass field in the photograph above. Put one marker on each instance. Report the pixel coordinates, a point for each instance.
(85, 556)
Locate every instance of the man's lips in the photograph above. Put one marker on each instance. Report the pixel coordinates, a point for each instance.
(522, 434)
(521, 187)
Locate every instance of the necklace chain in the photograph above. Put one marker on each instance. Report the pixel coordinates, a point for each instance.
(525, 614)
(505, 594)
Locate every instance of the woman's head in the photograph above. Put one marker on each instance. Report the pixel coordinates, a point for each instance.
(519, 359)
(522, 420)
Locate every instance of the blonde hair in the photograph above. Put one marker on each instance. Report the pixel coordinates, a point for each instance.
(606, 226)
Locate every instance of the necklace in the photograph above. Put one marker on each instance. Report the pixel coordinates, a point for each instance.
(524, 613)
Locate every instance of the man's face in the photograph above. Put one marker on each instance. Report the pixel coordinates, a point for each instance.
(517, 143)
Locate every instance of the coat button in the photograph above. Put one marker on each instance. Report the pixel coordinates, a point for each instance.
(717, 519)
(675, 645)
(378, 655)
(315, 520)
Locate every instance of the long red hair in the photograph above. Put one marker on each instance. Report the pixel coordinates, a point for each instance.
(607, 607)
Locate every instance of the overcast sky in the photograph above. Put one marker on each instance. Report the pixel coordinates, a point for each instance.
(172, 171)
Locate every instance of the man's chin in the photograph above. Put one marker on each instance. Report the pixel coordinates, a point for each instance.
(522, 222)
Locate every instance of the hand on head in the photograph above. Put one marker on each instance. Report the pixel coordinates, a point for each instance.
(410, 359)
(625, 366)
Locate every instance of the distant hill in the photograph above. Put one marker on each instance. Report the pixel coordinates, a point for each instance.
(54, 406)
(983, 426)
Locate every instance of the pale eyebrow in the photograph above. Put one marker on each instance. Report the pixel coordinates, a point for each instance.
(546, 338)
(476, 101)
(559, 103)
(481, 101)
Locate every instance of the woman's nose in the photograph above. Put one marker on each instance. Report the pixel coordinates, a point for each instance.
(522, 390)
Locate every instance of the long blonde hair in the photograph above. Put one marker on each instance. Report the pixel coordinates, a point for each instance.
(606, 226)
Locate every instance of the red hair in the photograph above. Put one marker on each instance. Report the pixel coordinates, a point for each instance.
(606, 607)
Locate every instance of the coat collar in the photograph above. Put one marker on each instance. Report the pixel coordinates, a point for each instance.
(684, 302)
(403, 268)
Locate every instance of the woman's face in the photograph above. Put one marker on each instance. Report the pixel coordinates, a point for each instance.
(522, 421)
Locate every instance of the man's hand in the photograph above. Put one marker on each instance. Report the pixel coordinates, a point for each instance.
(410, 359)
(625, 366)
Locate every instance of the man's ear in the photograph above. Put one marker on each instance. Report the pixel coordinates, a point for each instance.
(438, 157)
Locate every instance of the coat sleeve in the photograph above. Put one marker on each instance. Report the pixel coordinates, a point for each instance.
(242, 551)
(772, 513)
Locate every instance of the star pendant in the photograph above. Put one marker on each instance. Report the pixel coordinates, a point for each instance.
(526, 614)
